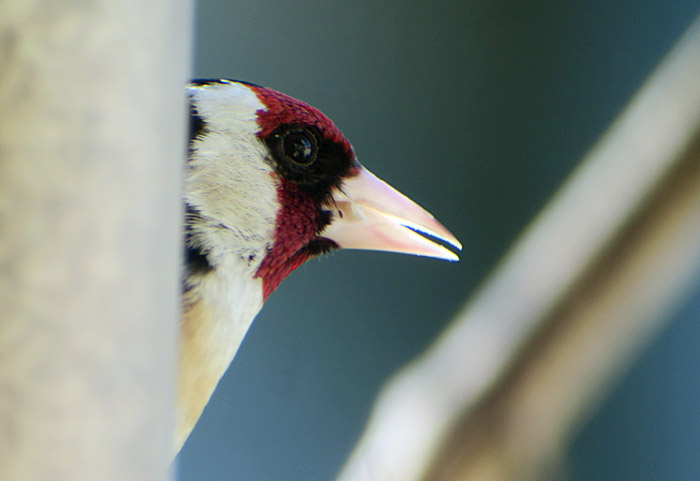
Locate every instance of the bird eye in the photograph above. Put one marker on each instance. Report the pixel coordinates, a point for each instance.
(300, 146)
(302, 155)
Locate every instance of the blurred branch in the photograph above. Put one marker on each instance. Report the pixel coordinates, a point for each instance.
(91, 112)
(583, 289)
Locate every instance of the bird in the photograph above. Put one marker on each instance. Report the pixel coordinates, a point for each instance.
(269, 182)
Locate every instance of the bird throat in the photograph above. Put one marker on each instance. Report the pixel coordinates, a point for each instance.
(296, 240)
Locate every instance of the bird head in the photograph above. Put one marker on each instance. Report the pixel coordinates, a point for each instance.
(272, 182)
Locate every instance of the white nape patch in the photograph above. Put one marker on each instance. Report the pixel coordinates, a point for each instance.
(228, 177)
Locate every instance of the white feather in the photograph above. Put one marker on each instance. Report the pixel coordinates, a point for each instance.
(228, 178)
(231, 186)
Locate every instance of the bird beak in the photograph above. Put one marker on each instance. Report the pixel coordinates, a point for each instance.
(373, 215)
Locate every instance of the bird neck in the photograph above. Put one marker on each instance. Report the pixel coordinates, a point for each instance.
(218, 309)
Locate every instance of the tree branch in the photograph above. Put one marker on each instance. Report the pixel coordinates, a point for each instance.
(583, 289)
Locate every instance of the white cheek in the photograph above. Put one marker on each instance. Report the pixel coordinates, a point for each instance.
(228, 178)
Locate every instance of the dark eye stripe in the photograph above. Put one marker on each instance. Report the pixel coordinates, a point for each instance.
(304, 157)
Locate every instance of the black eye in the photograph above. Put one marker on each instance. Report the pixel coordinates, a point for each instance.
(299, 146)
(302, 155)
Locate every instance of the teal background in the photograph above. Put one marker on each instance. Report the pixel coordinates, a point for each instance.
(476, 110)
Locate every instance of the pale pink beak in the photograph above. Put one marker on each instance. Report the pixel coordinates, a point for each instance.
(373, 215)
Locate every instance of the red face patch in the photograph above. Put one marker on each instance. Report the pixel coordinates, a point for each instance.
(283, 109)
(296, 227)
(297, 223)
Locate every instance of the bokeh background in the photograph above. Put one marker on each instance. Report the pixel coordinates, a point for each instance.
(477, 110)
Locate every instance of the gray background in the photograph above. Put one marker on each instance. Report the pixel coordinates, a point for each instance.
(477, 110)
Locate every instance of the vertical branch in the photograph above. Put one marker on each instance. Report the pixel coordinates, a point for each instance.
(91, 144)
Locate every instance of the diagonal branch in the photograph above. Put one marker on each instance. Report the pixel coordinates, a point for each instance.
(583, 289)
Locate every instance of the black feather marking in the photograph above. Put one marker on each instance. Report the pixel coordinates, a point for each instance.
(325, 217)
(198, 126)
(320, 246)
(196, 261)
(200, 82)
(195, 257)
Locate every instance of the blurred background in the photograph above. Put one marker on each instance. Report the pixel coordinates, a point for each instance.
(478, 111)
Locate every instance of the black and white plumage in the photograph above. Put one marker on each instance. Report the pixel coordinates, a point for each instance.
(269, 183)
